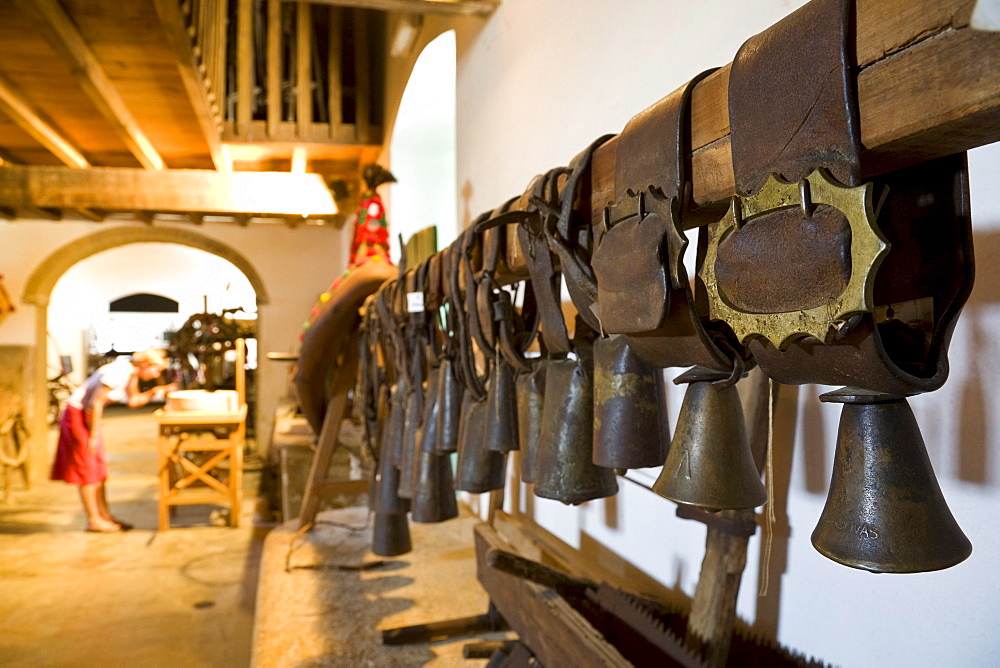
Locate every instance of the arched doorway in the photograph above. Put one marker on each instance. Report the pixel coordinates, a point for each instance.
(422, 148)
(38, 291)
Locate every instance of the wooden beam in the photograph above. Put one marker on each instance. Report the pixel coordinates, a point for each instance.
(362, 76)
(172, 23)
(554, 632)
(7, 159)
(928, 86)
(200, 191)
(66, 40)
(42, 213)
(481, 8)
(244, 66)
(334, 61)
(303, 68)
(90, 214)
(17, 107)
(221, 20)
(273, 67)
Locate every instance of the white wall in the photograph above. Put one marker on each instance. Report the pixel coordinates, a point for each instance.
(537, 83)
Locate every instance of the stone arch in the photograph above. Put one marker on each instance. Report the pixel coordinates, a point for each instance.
(40, 284)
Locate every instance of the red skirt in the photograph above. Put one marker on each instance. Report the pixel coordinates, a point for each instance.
(75, 463)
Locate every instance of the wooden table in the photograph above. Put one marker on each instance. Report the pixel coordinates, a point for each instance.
(193, 446)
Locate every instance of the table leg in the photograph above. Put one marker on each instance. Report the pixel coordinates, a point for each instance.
(164, 475)
(235, 482)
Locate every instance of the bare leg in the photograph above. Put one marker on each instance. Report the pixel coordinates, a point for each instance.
(92, 506)
(102, 502)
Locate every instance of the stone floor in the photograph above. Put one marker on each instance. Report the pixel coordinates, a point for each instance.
(184, 597)
(316, 607)
(187, 597)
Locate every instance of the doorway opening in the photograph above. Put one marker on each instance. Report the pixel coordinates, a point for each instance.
(183, 300)
(422, 149)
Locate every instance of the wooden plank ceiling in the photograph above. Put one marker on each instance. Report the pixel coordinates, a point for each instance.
(127, 92)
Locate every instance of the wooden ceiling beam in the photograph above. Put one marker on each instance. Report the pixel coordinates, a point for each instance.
(172, 23)
(42, 213)
(14, 104)
(482, 8)
(90, 214)
(196, 191)
(67, 41)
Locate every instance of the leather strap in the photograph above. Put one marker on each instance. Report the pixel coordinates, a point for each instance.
(654, 148)
(792, 105)
(465, 315)
(652, 176)
(570, 237)
(545, 281)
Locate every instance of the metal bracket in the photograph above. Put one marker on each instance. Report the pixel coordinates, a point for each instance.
(868, 248)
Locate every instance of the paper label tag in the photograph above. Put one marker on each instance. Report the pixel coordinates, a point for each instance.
(414, 302)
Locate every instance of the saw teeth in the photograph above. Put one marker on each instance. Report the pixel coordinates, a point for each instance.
(632, 610)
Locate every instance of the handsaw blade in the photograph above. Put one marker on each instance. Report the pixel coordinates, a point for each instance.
(753, 649)
(643, 636)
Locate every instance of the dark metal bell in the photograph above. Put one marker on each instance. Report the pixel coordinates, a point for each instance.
(411, 442)
(479, 469)
(390, 535)
(501, 406)
(566, 470)
(710, 464)
(629, 428)
(426, 435)
(434, 497)
(885, 511)
(530, 389)
(449, 408)
(429, 426)
(385, 490)
(390, 530)
(392, 434)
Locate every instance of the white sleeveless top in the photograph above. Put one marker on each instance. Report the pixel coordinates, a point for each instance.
(115, 375)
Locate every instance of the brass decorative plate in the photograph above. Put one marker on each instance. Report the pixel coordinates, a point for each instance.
(867, 249)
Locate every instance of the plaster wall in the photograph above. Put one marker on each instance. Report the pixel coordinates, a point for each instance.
(537, 83)
(293, 265)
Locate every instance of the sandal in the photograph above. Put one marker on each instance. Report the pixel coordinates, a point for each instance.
(126, 526)
(110, 528)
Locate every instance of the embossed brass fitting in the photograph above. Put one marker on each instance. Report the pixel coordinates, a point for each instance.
(867, 249)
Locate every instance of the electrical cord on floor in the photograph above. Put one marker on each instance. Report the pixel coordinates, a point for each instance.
(352, 529)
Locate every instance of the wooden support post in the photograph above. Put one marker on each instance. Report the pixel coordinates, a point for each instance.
(362, 77)
(713, 611)
(273, 67)
(244, 67)
(342, 384)
(334, 63)
(303, 69)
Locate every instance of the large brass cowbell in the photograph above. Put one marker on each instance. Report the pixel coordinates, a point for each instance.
(885, 511)
(710, 464)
